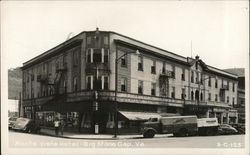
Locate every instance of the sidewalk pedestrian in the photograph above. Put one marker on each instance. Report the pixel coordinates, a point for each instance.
(56, 125)
(62, 124)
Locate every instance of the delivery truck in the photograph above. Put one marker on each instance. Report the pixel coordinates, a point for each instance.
(180, 126)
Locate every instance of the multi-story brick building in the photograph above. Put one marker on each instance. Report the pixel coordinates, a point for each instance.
(76, 81)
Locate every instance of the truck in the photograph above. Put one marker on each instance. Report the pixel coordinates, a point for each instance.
(180, 126)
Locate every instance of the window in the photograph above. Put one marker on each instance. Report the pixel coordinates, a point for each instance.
(105, 40)
(88, 40)
(75, 84)
(216, 83)
(153, 68)
(173, 92)
(222, 82)
(106, 83)
(183, 93)
(89, 55)
(32, 77)
(173, 71)
(106, 56)
(75, 58)
(201, 80)
(183, 75)
(88, 83)
(140, 87)
(227, 99)
(163, 68)
(124, 61)
(192, 95)
(209, 81)
(209, 96)
(197, 77)
(192, 76)
(97, 55)
(216, 97)
(97, 83)
(140, 63)
(233, 87)
(233, 101)
(153, 88)
(123, 84)
(201, 96)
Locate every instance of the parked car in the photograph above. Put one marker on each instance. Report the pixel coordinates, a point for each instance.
(11, 121)
(225, 129)
(239, 127)
(26, 125)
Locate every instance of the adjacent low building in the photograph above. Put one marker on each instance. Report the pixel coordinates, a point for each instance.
(76, 81)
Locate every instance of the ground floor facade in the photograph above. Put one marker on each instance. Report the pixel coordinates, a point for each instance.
(94, 112)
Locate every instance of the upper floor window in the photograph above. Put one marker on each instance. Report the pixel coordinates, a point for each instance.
(173, 71)
(233, 87)
(89, 51)
(124, 61)
(153, 67)
(123, 84)
(233, 101)
(140, 63)
(227, 99)
(105, 40)
(153, 89)
(216, 97)
(192, 76)
(97, 55)
(216, 83)
(173, 92)
(163, 68)
(183, 75)
(88, 82)
(209, 81)
(106, 83)
(197, 77)
(183, 93)
(75, 58)
(201, 80)
(89, 40)
(97, 83)
(209, 96)
(106, 56)
(140, 87)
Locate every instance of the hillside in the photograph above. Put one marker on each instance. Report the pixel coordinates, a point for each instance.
(14, 83)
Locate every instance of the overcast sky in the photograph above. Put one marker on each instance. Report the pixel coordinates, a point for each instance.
(218, 29)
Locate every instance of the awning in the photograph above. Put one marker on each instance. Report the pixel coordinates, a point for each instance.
(136, 116)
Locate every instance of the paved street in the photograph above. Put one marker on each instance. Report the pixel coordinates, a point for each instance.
(20, 140)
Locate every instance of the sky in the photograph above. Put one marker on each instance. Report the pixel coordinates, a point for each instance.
(217, 31)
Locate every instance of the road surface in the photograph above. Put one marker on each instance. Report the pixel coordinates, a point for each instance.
(24, 140)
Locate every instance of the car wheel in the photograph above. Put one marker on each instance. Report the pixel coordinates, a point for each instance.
(183, 132)
(149, 134)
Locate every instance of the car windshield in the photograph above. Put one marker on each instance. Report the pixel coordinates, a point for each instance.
(13, 119)
(23, 120)
(153, 119)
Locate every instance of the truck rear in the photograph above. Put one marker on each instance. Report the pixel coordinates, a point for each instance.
(207, 126)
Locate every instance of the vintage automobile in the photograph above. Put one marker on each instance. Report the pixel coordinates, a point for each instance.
(239, 127)
(11, 121)
(26, 125)
(225, 129)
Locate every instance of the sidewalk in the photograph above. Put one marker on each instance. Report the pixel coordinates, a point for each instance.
(50, 132)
